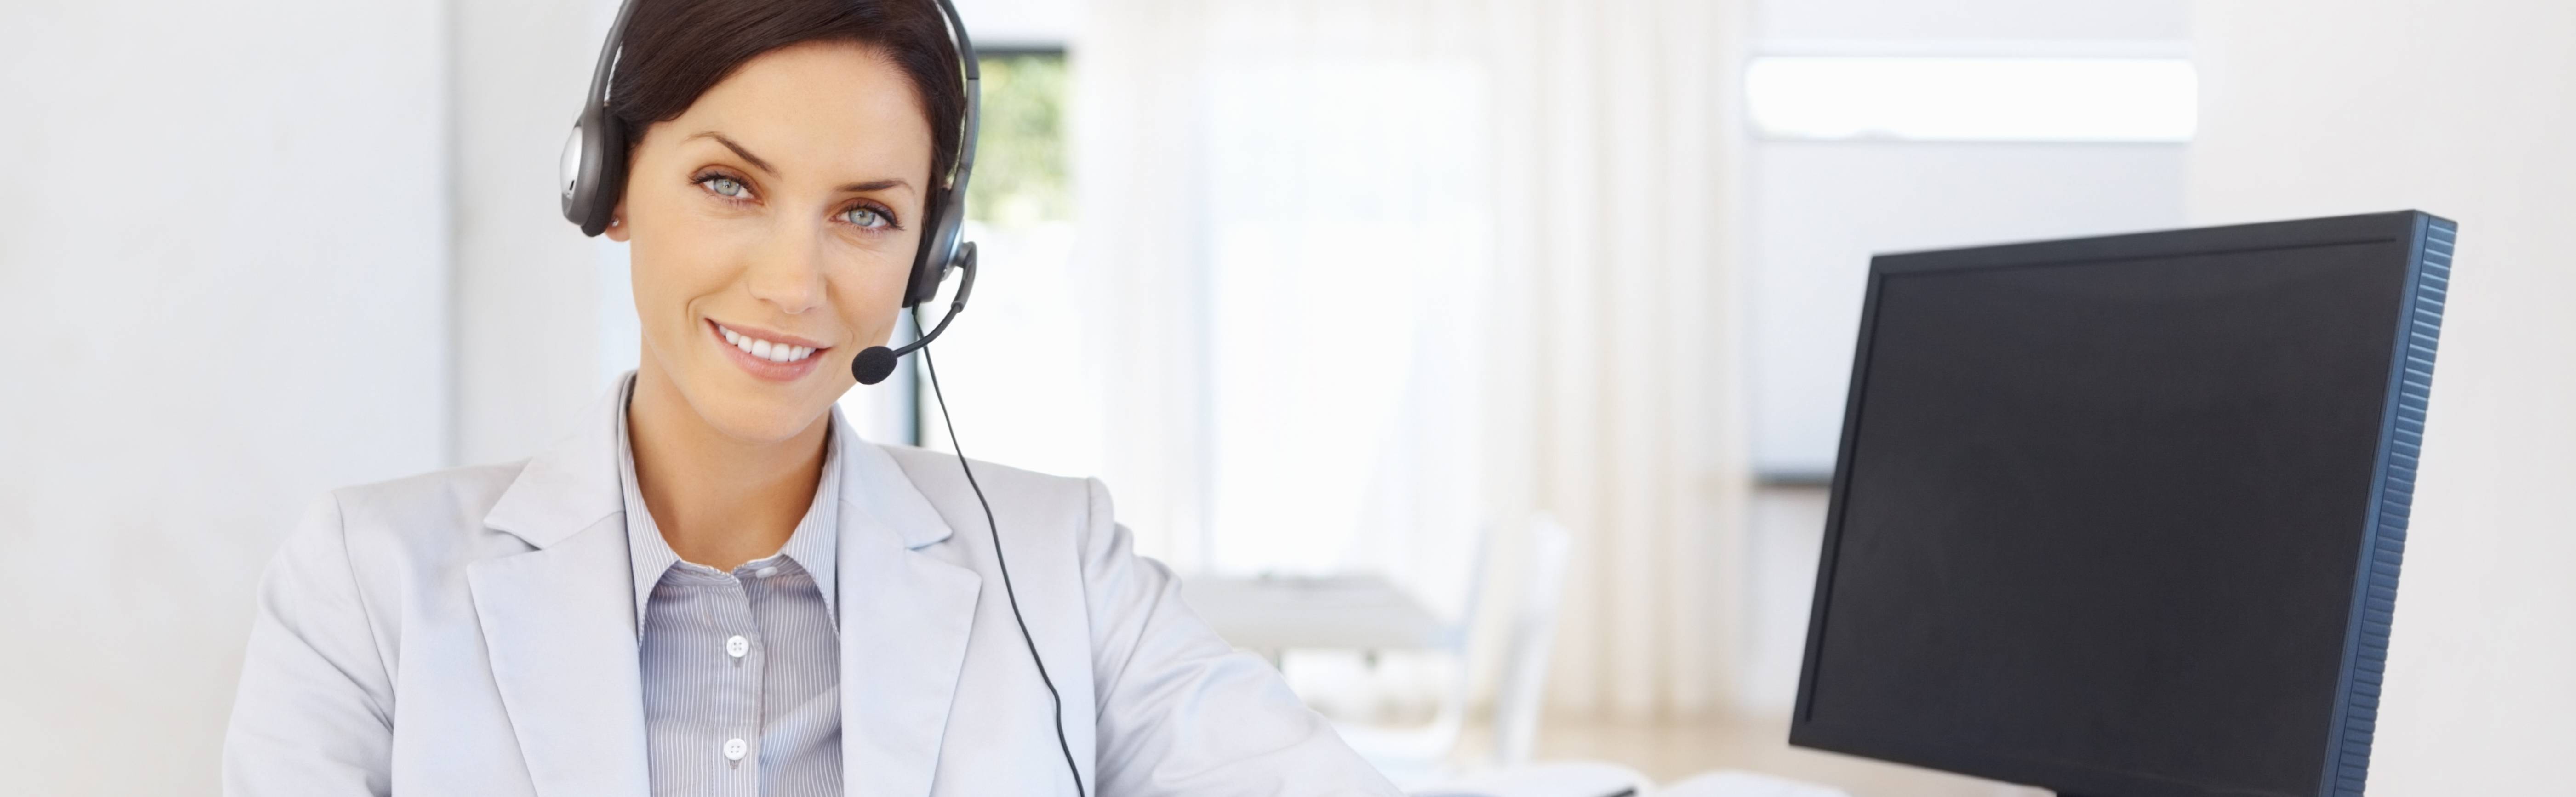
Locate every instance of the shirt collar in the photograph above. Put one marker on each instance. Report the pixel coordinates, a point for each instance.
(814, 545)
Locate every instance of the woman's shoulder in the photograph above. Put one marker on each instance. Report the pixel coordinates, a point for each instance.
(440, 495)
(1011, 491)
(941, 472)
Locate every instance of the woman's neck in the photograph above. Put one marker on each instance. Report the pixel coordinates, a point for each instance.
(719, 501)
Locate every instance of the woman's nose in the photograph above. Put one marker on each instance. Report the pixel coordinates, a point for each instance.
(789, 271)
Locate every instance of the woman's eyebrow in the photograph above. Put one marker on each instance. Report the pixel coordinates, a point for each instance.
(877, 185)
(755, 160)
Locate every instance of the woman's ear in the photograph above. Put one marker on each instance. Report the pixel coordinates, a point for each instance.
(617, 223)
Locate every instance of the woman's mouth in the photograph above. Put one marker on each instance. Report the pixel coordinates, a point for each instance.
(765, 355)
(764, 349)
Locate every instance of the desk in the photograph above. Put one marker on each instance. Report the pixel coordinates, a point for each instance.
(1364, 612)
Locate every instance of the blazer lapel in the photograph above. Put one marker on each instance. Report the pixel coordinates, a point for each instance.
(559, 621)
(560, 626)
(905, 617)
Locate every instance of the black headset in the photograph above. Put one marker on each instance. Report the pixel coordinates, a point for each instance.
(594, 172)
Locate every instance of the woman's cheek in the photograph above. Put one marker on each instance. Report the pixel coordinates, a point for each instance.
(871, 294)
(702, 253)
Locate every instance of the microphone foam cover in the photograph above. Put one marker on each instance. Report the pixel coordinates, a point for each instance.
(873, 364)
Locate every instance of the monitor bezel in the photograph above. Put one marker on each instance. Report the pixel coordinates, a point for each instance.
(2352, 720)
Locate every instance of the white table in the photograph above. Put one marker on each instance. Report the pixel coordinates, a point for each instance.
(1274, 614)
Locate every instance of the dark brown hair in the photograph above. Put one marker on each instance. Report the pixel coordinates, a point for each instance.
(677, 49)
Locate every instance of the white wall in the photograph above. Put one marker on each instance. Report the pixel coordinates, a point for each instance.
(2463, 108)
(222, 250)
(1816, 210)
(542, 314)
(1976, 23)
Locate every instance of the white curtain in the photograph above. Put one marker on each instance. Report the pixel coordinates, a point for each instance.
(1365, 275)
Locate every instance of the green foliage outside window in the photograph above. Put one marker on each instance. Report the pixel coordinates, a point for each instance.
(1020, 157)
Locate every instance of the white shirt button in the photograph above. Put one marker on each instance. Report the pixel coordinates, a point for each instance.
(765, 572)
(737, 646)
(734, 749)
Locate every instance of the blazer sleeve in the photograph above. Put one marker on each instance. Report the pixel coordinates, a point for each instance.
(1179, 710)
(313, 716)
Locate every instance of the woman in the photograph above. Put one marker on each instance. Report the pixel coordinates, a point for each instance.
(712, 586)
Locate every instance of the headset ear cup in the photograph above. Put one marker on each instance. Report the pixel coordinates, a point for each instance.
(922, 274)
(574, 162)
(608, 172)
(595, 166)
(938, 254)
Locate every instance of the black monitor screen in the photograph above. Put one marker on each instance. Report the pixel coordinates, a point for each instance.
(2099, 520)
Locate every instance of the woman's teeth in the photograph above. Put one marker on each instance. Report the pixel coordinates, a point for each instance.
(773, 352)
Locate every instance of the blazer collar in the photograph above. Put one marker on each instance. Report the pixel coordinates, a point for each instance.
(876, 492)
(571, 485)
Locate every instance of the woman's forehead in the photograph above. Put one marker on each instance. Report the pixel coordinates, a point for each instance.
(825, 110)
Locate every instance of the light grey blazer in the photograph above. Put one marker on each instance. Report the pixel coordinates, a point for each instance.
(472, 632)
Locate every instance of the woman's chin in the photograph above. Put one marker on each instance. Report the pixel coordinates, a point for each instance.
(755, 411)
(753, 420)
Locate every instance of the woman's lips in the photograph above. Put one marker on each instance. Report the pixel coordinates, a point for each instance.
(767, 355)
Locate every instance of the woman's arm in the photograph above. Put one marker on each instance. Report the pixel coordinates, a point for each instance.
(1180, 711)
(314, 714)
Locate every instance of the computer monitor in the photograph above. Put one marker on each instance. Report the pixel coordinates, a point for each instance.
(2121, 516)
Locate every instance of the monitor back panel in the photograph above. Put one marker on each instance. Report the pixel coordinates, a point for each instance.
(2106, 509)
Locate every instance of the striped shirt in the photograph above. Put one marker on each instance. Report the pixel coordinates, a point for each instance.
(742, 678)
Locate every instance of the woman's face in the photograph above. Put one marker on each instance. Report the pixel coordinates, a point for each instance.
(779, 214)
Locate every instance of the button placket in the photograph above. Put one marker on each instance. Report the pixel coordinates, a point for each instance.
(738, 647)
(747, 666)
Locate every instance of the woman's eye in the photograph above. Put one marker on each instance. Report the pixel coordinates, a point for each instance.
(726, 187)
(865, 218)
